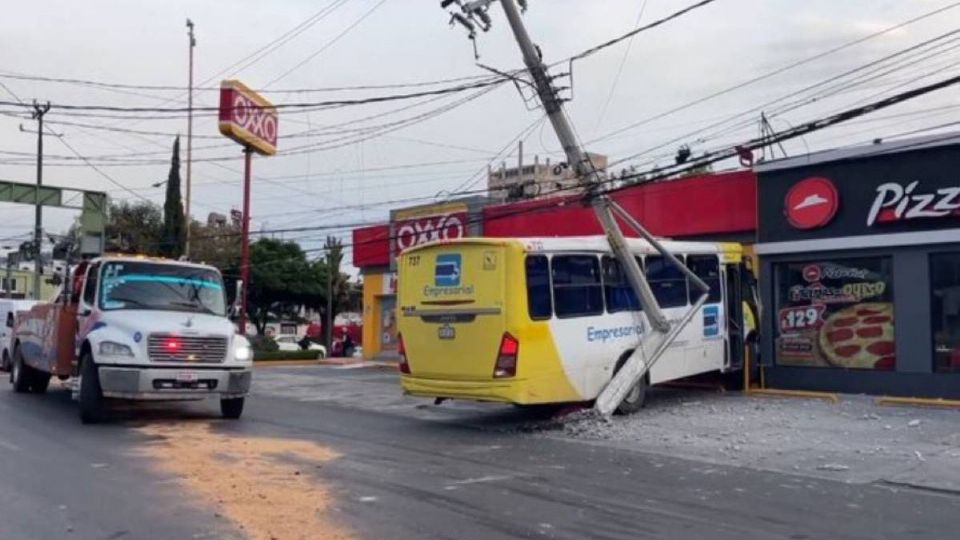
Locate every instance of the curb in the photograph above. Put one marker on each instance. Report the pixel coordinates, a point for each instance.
(326, 362)
(284, 363)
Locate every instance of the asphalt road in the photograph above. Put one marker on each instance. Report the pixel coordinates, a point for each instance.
(409, 470)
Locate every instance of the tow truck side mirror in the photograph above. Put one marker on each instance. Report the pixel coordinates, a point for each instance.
(85, 312)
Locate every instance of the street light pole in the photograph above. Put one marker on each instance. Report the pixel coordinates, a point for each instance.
(193, 43)
(329, 322)
(38, 112)
(245, 240)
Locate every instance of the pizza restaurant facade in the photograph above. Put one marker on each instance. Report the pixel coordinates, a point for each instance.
(860, 269)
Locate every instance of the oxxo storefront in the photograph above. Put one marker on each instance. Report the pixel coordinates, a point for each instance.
(714, 207)
(375, 253)
(860, 269)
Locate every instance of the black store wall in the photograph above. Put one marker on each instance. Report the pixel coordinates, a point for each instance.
(871, 218)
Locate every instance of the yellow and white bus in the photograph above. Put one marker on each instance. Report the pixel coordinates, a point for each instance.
(549, 320)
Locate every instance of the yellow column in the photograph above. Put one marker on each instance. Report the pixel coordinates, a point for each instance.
(372, 291)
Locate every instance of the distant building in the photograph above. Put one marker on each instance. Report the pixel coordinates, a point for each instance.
(538, 180)
(215, 219)
(18, 284)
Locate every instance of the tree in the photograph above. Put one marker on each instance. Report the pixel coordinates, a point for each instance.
(174, 224)
(281, 281)
(336, 285)
(134, 228)
(219, 246)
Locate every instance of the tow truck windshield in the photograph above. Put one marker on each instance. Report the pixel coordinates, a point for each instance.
(167, 287)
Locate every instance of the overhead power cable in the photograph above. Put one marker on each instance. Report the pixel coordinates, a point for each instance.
(70, 147)
(327, 45)
(281, 106)
(748, 116)
(635, 31)
(623, 62)
(317, 90)
(776, 72)
(802, 129)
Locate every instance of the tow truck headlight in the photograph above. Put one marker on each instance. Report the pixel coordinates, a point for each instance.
(112, 348)
(243, 353)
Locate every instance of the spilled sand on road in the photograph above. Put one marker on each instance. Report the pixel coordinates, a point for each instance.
(264, 486)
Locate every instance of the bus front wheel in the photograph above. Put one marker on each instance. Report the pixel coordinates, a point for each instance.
(636, 398)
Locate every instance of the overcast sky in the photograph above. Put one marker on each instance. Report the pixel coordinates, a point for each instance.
(400, 41)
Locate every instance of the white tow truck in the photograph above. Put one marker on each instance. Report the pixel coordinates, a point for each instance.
(134, 328)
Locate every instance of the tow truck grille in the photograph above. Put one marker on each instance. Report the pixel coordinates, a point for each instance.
(169, 348)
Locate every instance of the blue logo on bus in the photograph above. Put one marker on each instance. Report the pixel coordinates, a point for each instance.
(711, 321)
(448, 270)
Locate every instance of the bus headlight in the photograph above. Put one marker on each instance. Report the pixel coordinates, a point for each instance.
(112, 348)
(243, 353)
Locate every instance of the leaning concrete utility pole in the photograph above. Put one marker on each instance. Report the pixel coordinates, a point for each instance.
(662, 331)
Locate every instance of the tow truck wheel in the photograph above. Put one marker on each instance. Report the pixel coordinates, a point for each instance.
(91, 397)
(39, 383)
(20, 374)
(231, 408)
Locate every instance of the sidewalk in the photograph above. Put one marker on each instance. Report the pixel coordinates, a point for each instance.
(854, 440)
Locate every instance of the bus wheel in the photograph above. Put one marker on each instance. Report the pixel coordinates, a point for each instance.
(636, 398)
(20, 374)
(91, 396)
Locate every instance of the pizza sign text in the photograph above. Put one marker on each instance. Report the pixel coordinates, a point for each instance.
(894, 202)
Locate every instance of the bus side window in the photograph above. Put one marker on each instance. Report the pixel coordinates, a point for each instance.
(707, 268)
(668, 283)
(576, 285)
(616, 288)
(539, 301)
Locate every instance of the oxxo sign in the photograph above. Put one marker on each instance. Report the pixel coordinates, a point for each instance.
(248, 118)
(431, 228)
(421, 225)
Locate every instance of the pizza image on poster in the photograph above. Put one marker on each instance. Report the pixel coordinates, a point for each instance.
(860, 336)
(835, 314)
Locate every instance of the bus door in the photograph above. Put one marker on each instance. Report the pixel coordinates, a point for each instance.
(734, 309)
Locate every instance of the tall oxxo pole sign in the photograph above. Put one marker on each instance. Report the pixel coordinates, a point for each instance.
(249, 119)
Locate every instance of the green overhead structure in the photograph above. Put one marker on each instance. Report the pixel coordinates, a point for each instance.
(92, 206)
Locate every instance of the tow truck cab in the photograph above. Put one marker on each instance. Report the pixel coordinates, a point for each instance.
(135, 328)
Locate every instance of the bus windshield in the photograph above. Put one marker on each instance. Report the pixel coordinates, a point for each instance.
(167, 287)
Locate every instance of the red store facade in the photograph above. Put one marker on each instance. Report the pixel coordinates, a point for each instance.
(857, 252)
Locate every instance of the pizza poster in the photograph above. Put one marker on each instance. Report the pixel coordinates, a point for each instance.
(835, 314)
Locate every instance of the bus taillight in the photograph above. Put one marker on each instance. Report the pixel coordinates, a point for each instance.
(507, 357)
(402, 350)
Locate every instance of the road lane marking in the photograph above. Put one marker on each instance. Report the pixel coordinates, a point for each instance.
(9, 446)
(485, 479)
